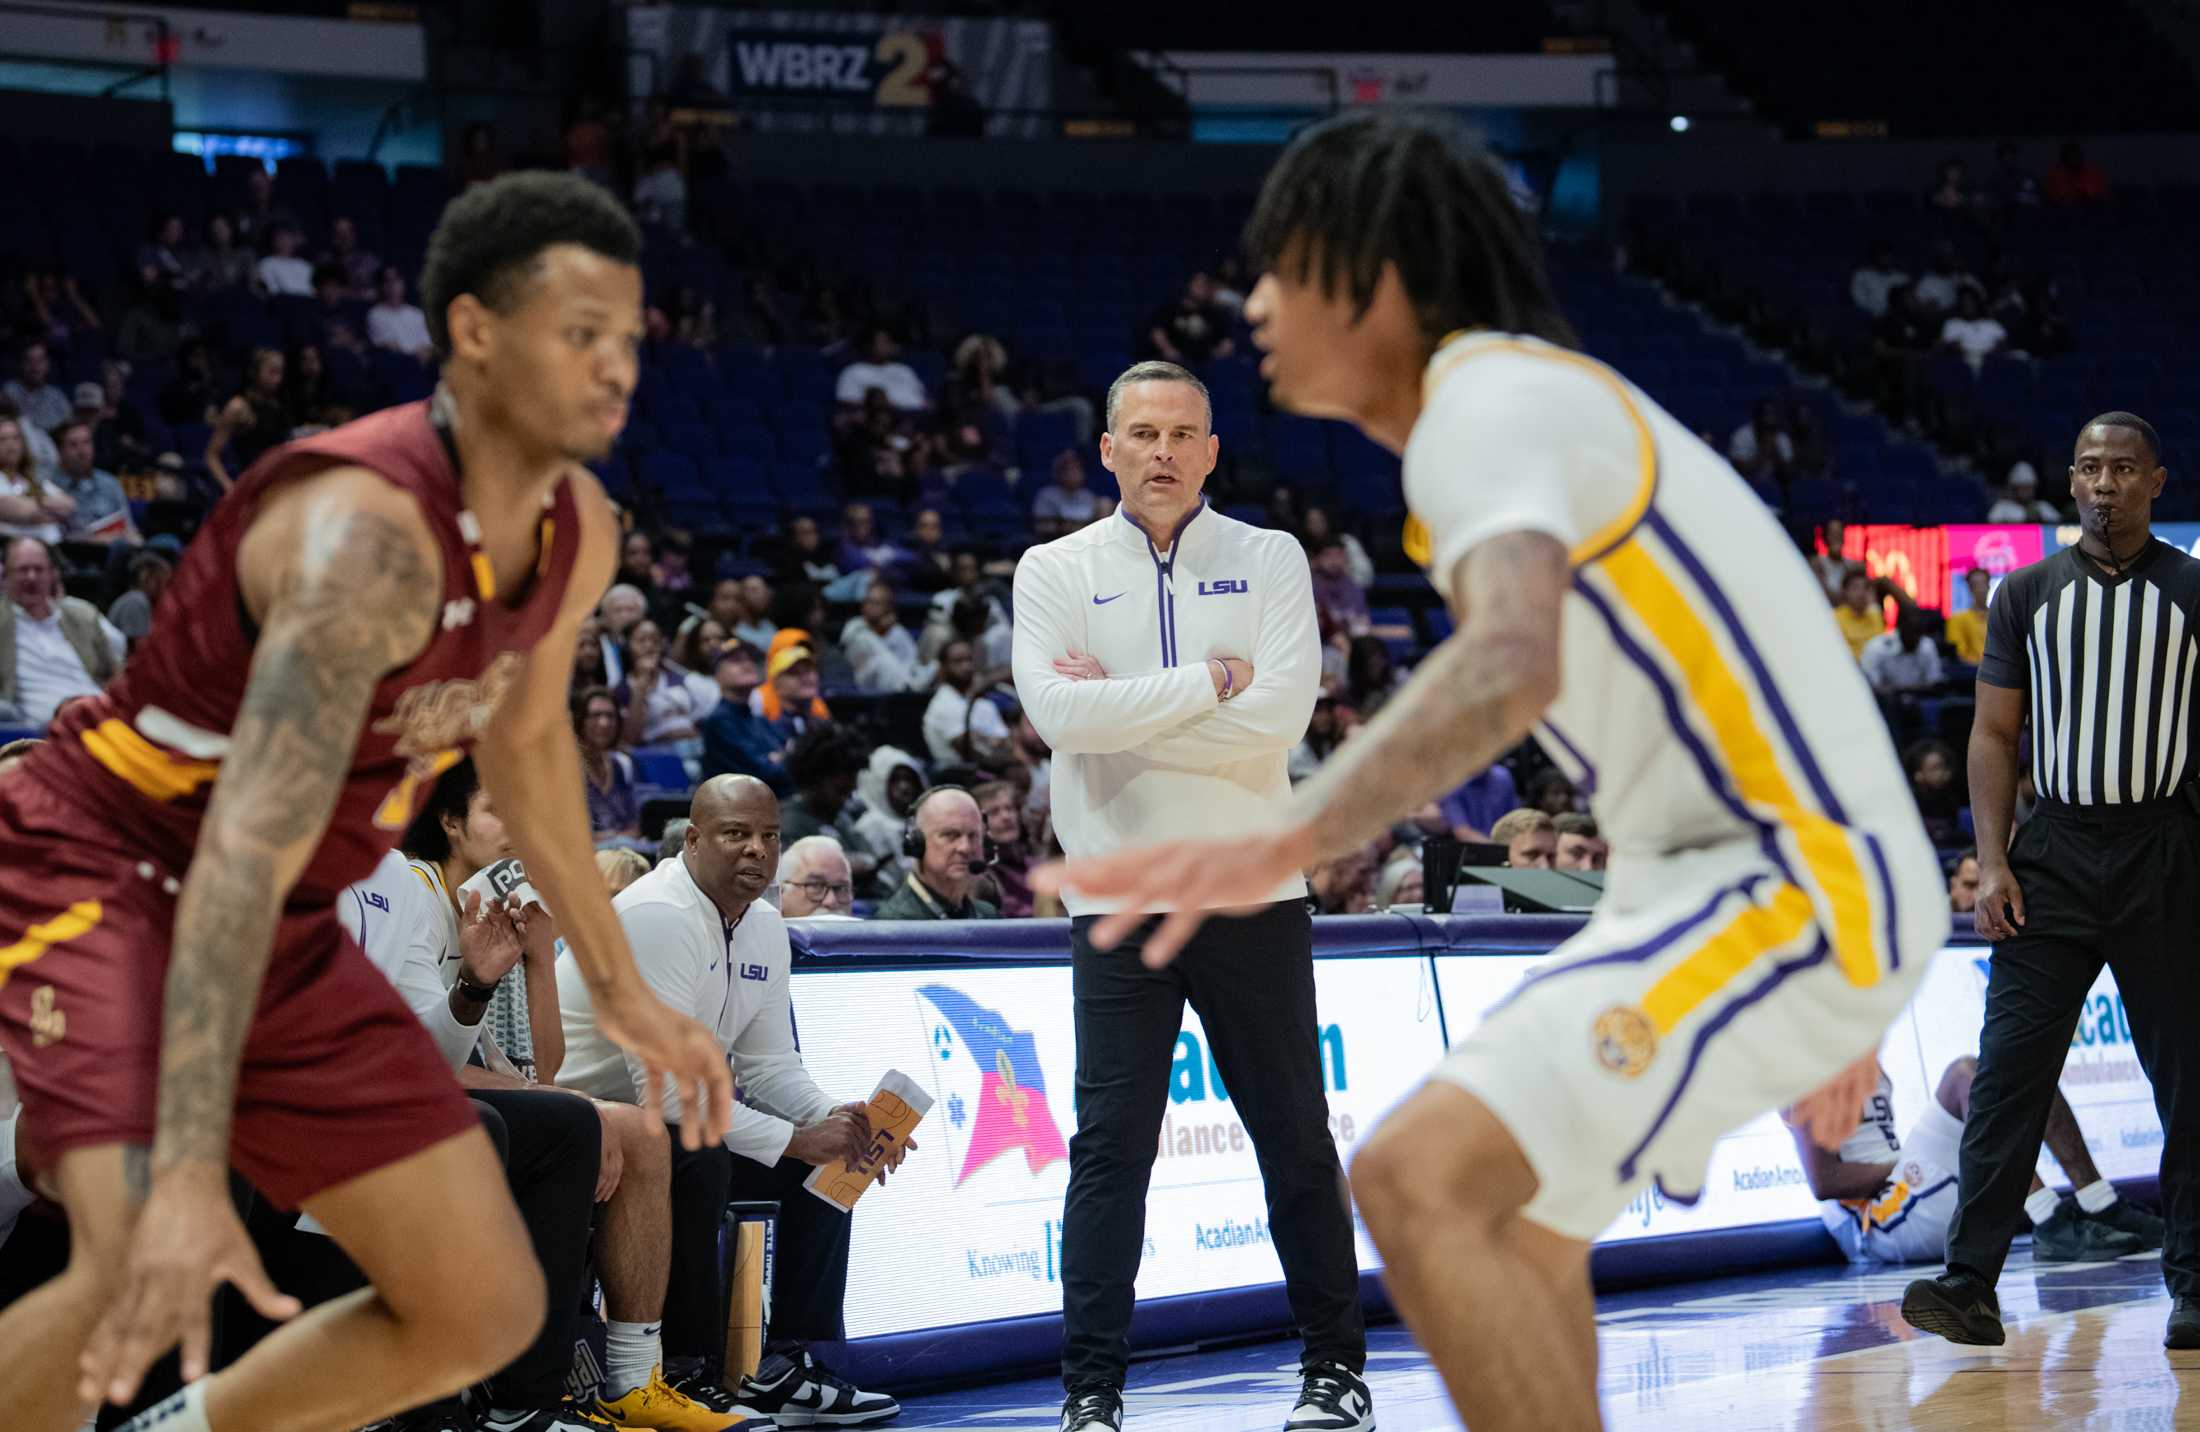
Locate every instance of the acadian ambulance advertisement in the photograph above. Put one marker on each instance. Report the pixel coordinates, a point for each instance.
(974, 1218)
(1754, 1176)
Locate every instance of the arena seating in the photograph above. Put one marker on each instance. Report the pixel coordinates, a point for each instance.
(2127, 304)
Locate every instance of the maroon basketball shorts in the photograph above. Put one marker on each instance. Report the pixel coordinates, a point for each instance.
(338, 1077)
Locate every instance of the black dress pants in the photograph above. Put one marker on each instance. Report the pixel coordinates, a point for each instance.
(809, 1253)
(2114, 885)
(1251, 979)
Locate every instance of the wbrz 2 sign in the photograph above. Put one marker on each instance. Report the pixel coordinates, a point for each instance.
(822, 64)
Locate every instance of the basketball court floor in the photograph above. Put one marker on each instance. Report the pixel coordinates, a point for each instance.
(1818, 1349)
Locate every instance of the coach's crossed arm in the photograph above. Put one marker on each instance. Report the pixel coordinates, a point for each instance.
(1093, 718)
(1272, 713)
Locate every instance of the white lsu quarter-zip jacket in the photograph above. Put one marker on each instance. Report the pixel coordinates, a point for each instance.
(1150, 753)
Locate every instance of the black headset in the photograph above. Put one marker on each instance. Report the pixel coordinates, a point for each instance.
(912, 839)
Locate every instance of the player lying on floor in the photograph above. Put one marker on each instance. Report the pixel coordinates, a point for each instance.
(1890, 1200)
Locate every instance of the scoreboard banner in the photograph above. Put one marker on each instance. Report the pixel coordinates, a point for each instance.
(871, 73)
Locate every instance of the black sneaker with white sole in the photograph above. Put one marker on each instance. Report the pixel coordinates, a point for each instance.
(2069, 1237)
(795, 1390)
(1096, 1409)
(1958, 1305)
(1332, 1399)
(2126, 1217)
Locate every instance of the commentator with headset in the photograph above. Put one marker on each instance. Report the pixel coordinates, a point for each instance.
(948, 849)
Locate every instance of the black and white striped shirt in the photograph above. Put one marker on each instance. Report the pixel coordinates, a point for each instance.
(2109, 665)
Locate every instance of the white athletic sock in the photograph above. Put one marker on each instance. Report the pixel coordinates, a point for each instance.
(631, 1352)
(2041, 1205)
(184, 1412)
(2097, 1195)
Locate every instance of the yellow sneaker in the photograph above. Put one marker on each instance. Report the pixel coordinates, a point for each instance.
(658, 1405)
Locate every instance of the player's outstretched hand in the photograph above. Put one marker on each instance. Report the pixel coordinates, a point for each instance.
(1194, 878)
(1829, 1112)
(672, 1046)
(187, 1243)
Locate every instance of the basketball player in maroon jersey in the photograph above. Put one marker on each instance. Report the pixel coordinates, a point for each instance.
(176, 995)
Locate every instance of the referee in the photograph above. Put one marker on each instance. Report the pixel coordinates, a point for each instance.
(2095, 647)
(1170, 657)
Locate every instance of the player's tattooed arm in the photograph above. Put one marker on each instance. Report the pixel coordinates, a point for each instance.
(350, 591)
(1469, 702)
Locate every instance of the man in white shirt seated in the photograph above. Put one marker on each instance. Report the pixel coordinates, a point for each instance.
(53, 648)
(879, 368)
(397, 325)
(2020, 500)
(1880, 276)
(1065, 504)
(961, 729)
(707, 943)
(1904, 659)
(815, 882)
(282, 273)
(881, 650)
(451, 956)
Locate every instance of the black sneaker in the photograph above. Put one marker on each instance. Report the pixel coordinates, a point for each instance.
(1958, 1306)
(795, 1390)
(2127, 1217)
(1096, 1409)
(2067, 1238)
(695, 1382)
(1332, 1399)
(2183, 1331)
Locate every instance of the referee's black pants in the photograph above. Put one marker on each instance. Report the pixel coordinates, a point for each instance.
(1251, 979)
(2118, 885)
(810, 1241)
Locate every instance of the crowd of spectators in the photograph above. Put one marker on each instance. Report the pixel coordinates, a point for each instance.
(849, 663)
(1952, 289)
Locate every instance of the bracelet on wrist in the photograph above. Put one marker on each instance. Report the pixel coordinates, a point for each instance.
(478, 993)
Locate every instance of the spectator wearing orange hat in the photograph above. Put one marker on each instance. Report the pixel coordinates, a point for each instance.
(770, 699)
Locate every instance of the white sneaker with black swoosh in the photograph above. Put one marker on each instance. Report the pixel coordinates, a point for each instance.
(795, 1390)
(1332, 1399)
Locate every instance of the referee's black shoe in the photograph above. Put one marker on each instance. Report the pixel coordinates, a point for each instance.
(2069, 1237)
(1958, 1305)
(2184, 1324)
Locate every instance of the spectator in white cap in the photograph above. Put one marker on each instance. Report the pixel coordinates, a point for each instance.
(2021, 501)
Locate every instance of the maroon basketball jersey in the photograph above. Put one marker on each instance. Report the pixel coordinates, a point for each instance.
(146, 751)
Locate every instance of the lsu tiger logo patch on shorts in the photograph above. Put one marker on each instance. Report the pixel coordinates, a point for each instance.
(1625, 1040)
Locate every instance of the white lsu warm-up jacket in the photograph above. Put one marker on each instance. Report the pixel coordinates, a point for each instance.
(1150, 753)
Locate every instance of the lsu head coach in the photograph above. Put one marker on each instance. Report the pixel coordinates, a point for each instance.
(1170, 657)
